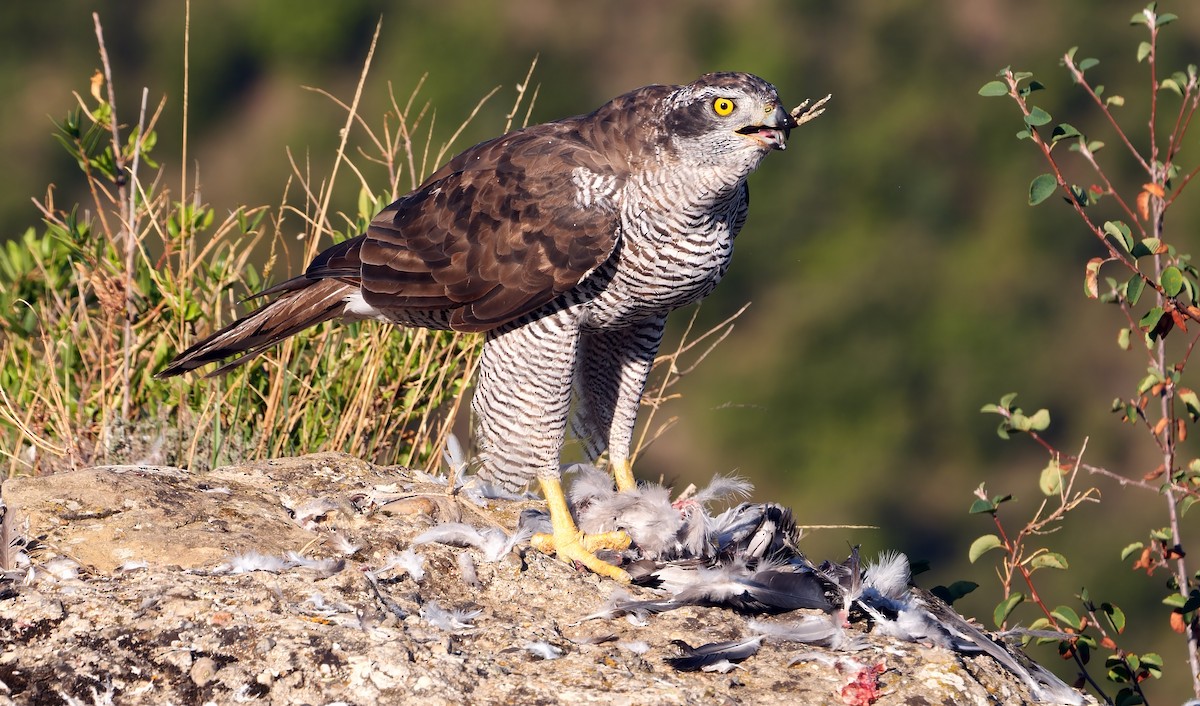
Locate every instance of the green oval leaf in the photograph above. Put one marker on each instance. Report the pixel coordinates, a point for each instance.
(994, 88)
(1064, 130)
(1174, 600)
(1134, 288)
(982, 546)
(1151, 318)
(1049, 560)
(1171, 280)
(1119, 232)
(1147, 246)
(981, 506)
(1116, 617)
(1143, 51)
(1050, 482)
(1066, 615)
(1088, 63)
(1037, 117)
(1005, 607)
(1041, 188)
(1033, 86)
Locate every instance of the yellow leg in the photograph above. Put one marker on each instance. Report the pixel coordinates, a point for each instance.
(622, 469)
(572, 545)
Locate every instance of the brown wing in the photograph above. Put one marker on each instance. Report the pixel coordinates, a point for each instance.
(495, 234)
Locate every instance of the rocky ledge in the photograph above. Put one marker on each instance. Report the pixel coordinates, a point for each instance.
(294, 581)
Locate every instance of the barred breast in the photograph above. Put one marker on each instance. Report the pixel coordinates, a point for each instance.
(673, 251)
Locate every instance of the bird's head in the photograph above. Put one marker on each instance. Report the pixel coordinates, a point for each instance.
(734, 118)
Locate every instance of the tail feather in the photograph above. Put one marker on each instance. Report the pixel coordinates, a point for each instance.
(300, 307)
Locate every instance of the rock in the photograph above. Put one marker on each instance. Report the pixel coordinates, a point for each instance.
(156, 612)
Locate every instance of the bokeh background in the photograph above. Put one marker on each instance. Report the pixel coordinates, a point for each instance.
(898, 278)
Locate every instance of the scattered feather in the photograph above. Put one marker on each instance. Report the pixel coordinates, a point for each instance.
(409, 560)
(637, 620)
(722, 487)
(456, 534)
(496, 552)
(822, 630)
(492, 541)
(535, 521)
(888, 576)
(341, 544)
(543, 649)
(696, 658)
(448, 620)
(324, 567)
(62, 568)
(253, 561)
(424, 477)
(466, 570)
(133, 565)
(593, 639)
(722, 667)
(638, 647)
(456, 461)
(620, 603)
(316, 600)
(825, 659)
(480, 491)
(322, 607)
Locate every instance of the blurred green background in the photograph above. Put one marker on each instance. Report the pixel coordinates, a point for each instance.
(899, 280)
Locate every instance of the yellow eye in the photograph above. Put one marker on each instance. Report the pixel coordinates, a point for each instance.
(722, 106)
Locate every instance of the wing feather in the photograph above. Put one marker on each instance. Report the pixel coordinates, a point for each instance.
(494, 235)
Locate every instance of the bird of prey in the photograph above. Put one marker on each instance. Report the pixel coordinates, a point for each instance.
(567, 244)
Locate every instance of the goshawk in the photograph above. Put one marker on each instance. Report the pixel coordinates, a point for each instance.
(566, 244)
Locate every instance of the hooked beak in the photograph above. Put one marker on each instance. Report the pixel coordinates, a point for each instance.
(774, 131)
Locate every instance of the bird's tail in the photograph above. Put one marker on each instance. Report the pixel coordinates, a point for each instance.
(303, 303)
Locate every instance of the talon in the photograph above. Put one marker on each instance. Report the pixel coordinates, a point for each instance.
(569, 544)
(580, 547)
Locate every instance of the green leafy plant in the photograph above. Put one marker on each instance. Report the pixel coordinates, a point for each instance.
(1142, 273)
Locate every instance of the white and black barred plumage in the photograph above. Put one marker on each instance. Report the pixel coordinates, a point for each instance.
(567, 243)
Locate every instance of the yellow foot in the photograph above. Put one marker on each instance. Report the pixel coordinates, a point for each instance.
(623, 473)
(580, 547)
(572, 545)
